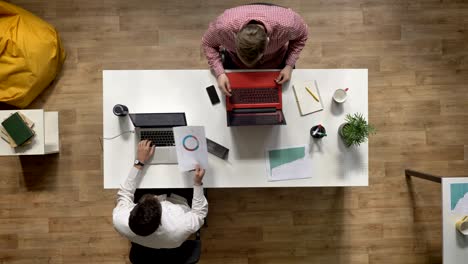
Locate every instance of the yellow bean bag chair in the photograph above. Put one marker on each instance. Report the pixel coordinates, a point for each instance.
(31, 55)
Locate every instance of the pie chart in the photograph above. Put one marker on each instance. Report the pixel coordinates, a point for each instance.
(190, 143)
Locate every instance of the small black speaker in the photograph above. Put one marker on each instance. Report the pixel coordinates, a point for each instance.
(120, 110)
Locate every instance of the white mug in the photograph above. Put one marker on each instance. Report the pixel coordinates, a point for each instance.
(340, 95)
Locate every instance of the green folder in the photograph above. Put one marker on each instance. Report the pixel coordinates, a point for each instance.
(17, 129)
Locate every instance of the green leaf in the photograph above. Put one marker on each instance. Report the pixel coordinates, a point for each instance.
(356, 130)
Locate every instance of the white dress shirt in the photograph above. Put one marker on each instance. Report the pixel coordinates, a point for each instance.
(178, 220)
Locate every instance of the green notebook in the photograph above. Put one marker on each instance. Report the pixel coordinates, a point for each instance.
(17, 129)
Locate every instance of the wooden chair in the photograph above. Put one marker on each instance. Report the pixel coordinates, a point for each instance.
(426, 176)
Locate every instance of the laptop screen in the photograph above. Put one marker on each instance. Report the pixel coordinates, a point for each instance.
(158, 119)
(238, 118)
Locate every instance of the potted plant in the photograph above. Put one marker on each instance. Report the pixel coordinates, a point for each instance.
(355, 130)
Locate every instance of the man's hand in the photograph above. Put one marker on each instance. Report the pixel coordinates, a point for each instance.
(284, 75)
(223, 84)
(145, 151)
(198, 177)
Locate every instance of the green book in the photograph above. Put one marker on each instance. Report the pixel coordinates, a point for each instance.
(17, 129)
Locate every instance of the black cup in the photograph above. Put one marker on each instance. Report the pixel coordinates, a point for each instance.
(120, 110)
(321, 132)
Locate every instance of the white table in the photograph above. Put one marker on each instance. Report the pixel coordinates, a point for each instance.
(146, 91)
(46, 139)
(455, 245)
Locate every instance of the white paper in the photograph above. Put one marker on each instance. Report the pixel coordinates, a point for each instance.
(191, 147)
(461, 206)
(297, 169)
(306, 103)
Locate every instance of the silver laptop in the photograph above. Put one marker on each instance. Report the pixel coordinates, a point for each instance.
(157, 127)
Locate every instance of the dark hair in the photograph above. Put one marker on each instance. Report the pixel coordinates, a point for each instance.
(145, 217)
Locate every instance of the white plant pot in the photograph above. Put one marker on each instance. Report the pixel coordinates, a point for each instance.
(340, 129)
(340, 132)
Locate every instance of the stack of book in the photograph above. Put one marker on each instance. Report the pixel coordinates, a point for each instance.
(17, 130)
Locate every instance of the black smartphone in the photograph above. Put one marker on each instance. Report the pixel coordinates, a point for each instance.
(211, 90)
(216, 149)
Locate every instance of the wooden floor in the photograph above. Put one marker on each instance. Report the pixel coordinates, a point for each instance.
(54, 209)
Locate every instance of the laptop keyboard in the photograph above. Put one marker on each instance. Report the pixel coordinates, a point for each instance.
(254, 96)
(240, 120)
(159, 138)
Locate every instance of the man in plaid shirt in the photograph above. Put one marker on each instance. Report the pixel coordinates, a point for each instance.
(259, 36)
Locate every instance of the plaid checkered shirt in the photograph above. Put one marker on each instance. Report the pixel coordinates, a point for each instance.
(285, 28)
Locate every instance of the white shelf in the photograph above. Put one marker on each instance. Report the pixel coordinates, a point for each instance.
(46, 138)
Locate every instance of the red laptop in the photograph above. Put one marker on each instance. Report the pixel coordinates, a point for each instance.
(256, 99)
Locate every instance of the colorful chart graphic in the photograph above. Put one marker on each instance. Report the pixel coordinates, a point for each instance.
(191, 147)
(459, 197)
(288, 163)
(279, 157)
(190, 143)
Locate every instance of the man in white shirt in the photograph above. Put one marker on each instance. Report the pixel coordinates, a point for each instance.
(157, 221)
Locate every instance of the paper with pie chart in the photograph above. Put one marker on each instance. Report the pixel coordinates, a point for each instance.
(191, 147)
